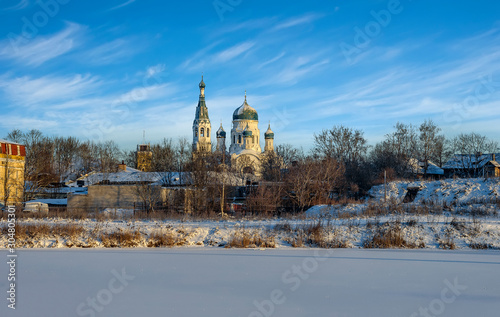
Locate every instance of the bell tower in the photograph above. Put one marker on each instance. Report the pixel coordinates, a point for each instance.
(201, 124)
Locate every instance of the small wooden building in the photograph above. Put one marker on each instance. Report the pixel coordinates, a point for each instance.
(492, 169)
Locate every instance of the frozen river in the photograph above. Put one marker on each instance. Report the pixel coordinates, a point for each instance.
(233, 282)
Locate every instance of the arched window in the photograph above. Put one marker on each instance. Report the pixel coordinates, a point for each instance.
(208, 132)
(234, 139)
(239, 139)
(202, 132)
(196, 133)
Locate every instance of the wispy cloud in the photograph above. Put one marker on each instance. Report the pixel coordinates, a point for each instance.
(306, 19)
(41, 49)
(272, 60)
(232, 52)
(21, 4)
(248, 25)
(295, 68)
(126, 3)
(213, 58)
(26, 91)
(111, 52)
(154, 70)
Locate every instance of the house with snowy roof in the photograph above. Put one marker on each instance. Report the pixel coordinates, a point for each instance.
(429, 169)
(472, 165)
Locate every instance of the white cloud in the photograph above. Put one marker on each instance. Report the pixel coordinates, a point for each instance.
(27, 91)
(21, 4)
(154, 70)
(203, 57)
(298, 67)
(297, 21)
(41, 49)
(110, 53)
(272, 60)
(126, 3)
(232, 52)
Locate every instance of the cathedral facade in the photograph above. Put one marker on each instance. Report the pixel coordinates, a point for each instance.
(245, 138)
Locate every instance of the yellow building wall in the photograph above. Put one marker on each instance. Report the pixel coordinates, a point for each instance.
(144, 159)
(11, 178)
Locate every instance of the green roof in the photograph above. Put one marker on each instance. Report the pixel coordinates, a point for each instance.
(245, 112)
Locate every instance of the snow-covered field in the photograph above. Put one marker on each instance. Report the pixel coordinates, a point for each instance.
(458, 191)
(425, 231)
(237, 282)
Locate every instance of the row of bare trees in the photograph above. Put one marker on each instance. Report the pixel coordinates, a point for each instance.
(340, 164)
(56, 159)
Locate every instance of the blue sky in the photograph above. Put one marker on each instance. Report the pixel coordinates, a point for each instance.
(110, 69)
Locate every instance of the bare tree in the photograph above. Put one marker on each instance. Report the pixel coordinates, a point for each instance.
(148, 193)
(347, 147)
(341, 143)
(271, 166)
(289, 153)
(65, 152)
(430, 143)
(468, 149)
(397, 151)
(313, 181)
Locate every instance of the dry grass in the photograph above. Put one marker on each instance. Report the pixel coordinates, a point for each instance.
(447, 243)
(483, 246)
(29, 235)
(244, 238)
(170, 238)
(389, 236)
(317, 234)
(121, 239)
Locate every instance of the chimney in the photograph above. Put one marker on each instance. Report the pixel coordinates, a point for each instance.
(493, 157)
(122, 166)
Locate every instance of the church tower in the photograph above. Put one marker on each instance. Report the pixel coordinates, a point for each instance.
(201, 124)
(245, 132)
(144, 157)
(221, 139)
(269, 138)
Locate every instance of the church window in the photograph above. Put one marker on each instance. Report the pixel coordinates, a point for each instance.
(202, 132)
(196, 133)
(234, 139)
(239, 139)
(208, 132)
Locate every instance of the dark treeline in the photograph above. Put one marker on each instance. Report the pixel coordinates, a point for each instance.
(339, 165)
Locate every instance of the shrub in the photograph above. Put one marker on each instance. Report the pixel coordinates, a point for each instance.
(250, 239)
(121, 239)
(390, 236)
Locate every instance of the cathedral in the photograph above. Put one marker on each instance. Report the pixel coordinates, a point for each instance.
(245, 150)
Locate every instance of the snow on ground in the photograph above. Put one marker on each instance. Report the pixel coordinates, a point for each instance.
(428, 231)
(236, 282)
(461, 191)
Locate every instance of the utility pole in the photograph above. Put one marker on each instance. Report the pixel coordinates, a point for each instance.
(385, 186)
(223, 182)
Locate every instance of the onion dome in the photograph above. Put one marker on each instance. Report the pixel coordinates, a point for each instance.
(202, 83)
(247, 132)
(221, 133)
(269, 133)
(245, 112)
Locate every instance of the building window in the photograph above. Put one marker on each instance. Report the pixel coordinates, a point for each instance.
(234, 139)
(196, 133)
(202, 132)
(239, 139)
(208, 132)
